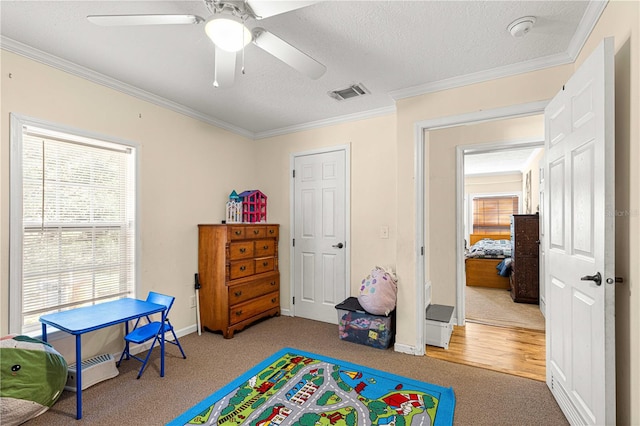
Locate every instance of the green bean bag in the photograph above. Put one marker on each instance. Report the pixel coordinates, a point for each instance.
(32, 378)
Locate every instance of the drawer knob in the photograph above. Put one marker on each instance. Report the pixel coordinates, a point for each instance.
(256, 231)
(238, 313)
(274, 300)
(265, 247)
(242, 268)
(238, 293)
(243, 250)
(271, 231)
(238, 232)
(265, 263)
(273, 283)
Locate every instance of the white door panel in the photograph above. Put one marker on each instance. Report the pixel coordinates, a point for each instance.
(579, 200)
(320, 281)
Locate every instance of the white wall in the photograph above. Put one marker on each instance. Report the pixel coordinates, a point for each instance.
(373, 190)
(188, 168)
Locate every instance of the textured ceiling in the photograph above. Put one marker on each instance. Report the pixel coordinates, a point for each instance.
(499, 162)
(395, 48)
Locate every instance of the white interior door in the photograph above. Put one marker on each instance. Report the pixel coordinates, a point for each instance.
(320, 244)
(579, 225)
(541, 263)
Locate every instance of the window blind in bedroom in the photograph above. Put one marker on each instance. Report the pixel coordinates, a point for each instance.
(78, 224)
(492, 215)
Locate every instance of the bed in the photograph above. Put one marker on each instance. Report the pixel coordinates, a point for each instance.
(483, 258)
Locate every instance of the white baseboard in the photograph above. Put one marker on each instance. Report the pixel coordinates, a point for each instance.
(407, 349)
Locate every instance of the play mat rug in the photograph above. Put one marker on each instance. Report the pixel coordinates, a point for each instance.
(293, 387)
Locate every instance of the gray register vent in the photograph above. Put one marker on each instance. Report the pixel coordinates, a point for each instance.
(94, 370)
(352, 91)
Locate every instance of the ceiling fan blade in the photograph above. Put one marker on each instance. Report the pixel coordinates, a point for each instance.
(288, 54)
(124, 20)
(265, 9)
(224, 69)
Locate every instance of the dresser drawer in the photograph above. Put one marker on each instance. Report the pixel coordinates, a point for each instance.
(258, 231)
(236, 232)
(272, 231)
(264, 264)
(241, 250)
(253, 307)
(241, 268)
(264, 248)
(243, 292)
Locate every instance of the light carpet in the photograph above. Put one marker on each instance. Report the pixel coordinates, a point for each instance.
(495, 307)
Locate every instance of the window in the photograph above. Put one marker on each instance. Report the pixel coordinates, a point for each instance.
(492, 215)
(73, 221)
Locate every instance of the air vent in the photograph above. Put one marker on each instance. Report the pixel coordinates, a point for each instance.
(352, 91)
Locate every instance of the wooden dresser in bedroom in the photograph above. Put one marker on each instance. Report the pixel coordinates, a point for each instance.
(525, 242)
(239, 278)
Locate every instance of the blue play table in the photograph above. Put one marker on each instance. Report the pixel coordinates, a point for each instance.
(90, 318)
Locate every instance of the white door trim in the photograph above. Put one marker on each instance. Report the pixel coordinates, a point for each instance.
(420, 127)
(347, 225)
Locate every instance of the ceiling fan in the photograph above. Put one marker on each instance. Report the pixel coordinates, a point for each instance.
(226, 27)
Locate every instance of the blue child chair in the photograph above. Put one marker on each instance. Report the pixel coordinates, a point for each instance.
(152, 330)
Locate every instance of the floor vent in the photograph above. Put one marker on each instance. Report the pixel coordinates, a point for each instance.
(352, 91)
(94, 370)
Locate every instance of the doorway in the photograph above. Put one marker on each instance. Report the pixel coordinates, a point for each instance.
(444, 191)
(498, 182)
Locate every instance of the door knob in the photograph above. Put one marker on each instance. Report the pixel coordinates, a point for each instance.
(597, 278)
(339, 245)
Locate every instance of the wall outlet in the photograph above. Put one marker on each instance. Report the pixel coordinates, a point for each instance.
(193, 301)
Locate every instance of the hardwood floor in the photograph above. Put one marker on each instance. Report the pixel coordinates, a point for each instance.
(510, 350)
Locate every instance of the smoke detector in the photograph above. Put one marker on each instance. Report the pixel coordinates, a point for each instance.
(521, 26)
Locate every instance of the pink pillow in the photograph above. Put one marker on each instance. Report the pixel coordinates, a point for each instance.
(378, 292)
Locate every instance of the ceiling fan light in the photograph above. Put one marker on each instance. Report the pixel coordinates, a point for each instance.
(228, 33)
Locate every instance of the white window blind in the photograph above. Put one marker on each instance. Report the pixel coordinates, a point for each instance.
(78, 223)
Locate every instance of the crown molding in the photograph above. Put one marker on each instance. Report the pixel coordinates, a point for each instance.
(585, 27)
(328, 122)
(22, 49)
(482, 76)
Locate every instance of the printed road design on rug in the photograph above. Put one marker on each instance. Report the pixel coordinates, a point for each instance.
(294, 387)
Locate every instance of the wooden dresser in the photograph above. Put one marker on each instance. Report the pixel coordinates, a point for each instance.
(525, 242)
(239, 278)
